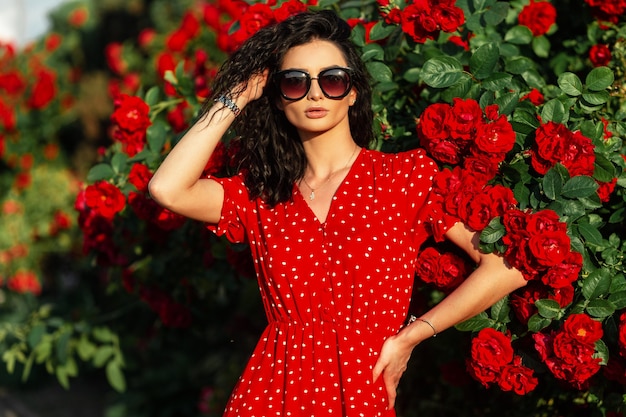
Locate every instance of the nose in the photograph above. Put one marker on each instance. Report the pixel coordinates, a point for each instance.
(315, 91)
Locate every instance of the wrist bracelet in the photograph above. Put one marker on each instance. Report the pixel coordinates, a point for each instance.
(229, 104)
(412, 318)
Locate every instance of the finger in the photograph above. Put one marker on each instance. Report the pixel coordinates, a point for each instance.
(378, 370)
(390, 386)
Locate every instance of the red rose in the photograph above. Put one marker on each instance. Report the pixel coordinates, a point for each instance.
(583, 328)
(605, 189)
(7, 117)
(481, 167)
(143, 206)
(550, 142)
(168, 220)
(418, 23)
(549, 248)
(43, 91)
(105, 199)
(538, 17)
(517, 378)
(12, 83)
(535, 97)
(466, 117)
(453, 271)
(256, 17)
(622, 334)
(490, 352)
(523, 300)
(433, 122)
(515, 221)
(495, 138)
(24, 282)
(427, 267)
(131, 113)
(579, 157)
(600, 55)
(444, 150)
(289, 8)
(563, 295)
(491, 348)
(545, 221)
(565, 273)
(140, 176)
(448, 17)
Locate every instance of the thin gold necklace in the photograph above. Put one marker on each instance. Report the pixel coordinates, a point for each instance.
(312, 195)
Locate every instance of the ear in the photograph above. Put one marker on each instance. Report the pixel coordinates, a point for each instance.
(353, 96)
(279, 104)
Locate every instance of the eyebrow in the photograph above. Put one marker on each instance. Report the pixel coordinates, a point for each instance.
(322, 69)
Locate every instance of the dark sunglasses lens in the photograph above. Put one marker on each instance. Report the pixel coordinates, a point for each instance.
(335, 82)
(294, 84)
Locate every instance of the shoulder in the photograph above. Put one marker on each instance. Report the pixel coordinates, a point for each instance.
(406, 162)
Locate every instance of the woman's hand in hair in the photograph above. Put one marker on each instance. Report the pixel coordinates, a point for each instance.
(252, 90)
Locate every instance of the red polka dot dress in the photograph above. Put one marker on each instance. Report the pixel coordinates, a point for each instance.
(332, 291)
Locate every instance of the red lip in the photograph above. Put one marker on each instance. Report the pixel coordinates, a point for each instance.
(316, 112)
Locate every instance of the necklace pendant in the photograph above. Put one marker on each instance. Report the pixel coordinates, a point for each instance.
(312, 195)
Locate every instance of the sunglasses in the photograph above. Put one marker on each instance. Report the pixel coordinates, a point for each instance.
(294, 84)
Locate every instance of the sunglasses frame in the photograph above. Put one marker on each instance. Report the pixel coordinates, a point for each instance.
(309, 79)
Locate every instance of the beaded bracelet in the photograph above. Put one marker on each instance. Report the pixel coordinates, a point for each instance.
(412, 318)
(228, 103)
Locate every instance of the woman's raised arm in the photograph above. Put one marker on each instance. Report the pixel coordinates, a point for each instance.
(176, 184)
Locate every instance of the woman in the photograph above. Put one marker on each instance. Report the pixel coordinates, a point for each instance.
(334, 228)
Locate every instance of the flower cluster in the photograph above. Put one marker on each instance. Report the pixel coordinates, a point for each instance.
(569, 353)
(444, 270)
(423, 20)
(607, 10)
(539, 246)
(555, 143)
(130, 120)
(493, 361)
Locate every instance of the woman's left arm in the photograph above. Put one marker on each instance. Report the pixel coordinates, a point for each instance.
(488, 283)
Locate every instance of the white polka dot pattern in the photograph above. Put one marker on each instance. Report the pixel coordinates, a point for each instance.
(333, 291)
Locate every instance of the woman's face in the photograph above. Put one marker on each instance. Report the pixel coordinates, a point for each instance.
(316, 113)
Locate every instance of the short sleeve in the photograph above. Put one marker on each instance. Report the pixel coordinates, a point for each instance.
(236, 205)
(431, 218)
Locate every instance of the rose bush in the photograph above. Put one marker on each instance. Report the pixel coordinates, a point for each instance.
(522, 105)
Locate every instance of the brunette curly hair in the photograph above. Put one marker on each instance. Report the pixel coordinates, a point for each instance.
(269, 151)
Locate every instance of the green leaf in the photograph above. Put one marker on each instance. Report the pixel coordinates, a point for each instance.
(536, 323)
(442, 71)
(599, 79)
(62, 344)
(496, 13)
(507, 103)
(484, 60)
(103, 354)
(152, 96)
(461, 88)
(381, 31)
(497, 81)
(500, 310)
(157, 135)
(570, 84)
(103, 334)
(35, 335)
(597, 98)
(596, 284)
(604, 169)
(600, 308)
(553, 184)
(554, 111)
(602, 352)
(548, 309)
(541, 46)
(118, 162)
(618, 299)
(379, 71)
(373, 51)
(475, 324)
(579, 186)
(493, 232)
(519, 35)
(115, 376)
(100, 172)
(85, 348)
(519, 65)
(591, 234)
